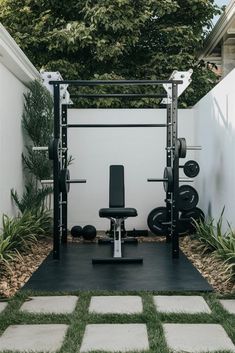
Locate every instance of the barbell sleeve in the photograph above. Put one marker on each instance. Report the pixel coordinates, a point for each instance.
(181, 180)
(38, 148)
(73, 181)
(187, 148)
(45, 148)
(194, 148)
(77, 181)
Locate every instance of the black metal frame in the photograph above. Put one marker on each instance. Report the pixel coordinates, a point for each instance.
(172, 159)
(64, 144)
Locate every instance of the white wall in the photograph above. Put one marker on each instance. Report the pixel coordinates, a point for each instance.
(16, 71)
(11, 143)
(140, 150)
(215, 131)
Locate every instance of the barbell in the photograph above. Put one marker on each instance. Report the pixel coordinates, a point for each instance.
(53, 148)
(168, 181)
(183, 148)
(64, 181)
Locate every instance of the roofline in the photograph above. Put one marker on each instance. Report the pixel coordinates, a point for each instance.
(219, 29)
(14, 59)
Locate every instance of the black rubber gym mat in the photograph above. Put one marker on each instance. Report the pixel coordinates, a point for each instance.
(75, 271)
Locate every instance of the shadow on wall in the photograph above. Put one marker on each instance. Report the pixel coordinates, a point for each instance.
(215, 131)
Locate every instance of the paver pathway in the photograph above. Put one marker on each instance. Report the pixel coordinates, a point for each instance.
(123, 336)
(3, 306)
(50, 304)
(229, 305)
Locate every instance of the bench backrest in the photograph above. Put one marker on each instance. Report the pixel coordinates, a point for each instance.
(116, 186)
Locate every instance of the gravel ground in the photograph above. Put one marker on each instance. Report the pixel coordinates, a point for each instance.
(22, 268)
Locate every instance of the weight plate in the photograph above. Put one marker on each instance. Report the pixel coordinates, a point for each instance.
(182, 147)
(186, 219)
(183, 227)
(191, 169)
(168, 174)
(188, 198)
(63, 181)
(53, 149)
(157, 220)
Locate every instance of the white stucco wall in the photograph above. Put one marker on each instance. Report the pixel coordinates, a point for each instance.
(16, 71)
(11, 142)
(140, 150)
(215, 131)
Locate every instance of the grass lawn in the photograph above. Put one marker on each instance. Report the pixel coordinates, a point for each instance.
(80, 317)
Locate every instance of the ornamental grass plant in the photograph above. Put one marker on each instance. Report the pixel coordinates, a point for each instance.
(220, 243)
(20, 233)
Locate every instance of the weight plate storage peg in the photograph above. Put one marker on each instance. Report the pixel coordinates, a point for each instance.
(158, 222)
(191, 169)
(168, 176)
(187, 219)
(63, 181)
(188, 198)
(53, 149)
(182, 147)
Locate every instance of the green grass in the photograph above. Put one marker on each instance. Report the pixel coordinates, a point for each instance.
(80, 318)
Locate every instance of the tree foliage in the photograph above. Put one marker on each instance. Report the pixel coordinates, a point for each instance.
(87, 39)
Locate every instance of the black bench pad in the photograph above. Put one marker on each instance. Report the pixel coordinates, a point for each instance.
(117, 212)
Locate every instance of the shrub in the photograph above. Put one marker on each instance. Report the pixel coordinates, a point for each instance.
(221, 244)
(20, 233)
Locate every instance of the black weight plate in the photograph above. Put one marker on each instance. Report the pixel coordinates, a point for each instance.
(168, 174)
(188, 198)
(53, 149)
(191, 169)
(157, 219)
(187, 219)
(64, 177)
(182, 147)
(183, 227)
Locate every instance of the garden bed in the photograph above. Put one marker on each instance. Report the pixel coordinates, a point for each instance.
(23, 268)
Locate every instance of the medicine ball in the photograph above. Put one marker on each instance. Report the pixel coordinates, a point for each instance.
(76, 231)
(89, 232)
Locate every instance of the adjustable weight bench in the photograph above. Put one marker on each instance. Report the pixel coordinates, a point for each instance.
(117, 213)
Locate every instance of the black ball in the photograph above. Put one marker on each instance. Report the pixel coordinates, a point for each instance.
(89, 232)
(76, 231)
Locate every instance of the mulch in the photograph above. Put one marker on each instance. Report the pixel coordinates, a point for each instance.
(21, 269)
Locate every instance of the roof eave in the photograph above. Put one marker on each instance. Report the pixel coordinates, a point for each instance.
(219, 30)
(12, 57)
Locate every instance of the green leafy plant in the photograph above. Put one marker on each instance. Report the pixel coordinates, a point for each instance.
(144, 39)
(220, 243)
(32, 198)
(20, 233)
(37, 122)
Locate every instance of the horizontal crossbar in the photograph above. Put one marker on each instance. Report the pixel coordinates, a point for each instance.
(118, 95)
(112, 125)
(114, 82)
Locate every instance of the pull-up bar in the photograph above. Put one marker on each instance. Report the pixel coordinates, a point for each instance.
(114, 82)
(118, 95)
(111, 125)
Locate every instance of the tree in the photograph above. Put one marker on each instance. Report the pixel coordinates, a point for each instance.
(142, 39)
